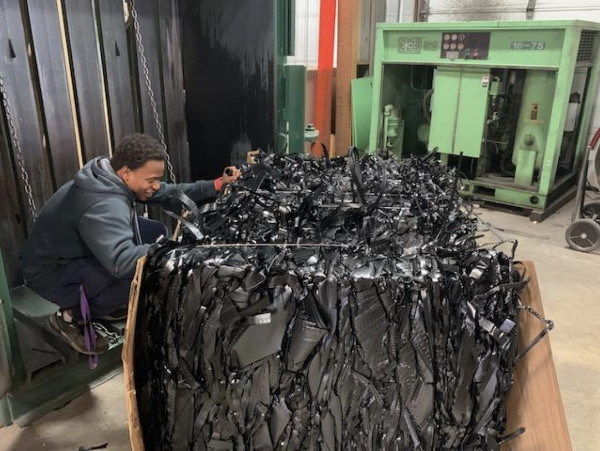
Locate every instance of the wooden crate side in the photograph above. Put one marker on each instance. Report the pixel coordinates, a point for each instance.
(535, 402)
(136, 437)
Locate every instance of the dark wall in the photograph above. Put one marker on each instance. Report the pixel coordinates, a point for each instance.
(57, 129)
(229, 73)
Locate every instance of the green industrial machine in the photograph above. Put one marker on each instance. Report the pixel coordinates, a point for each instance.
(514, 98)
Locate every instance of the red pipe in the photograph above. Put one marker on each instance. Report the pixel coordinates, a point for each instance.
(325, 74)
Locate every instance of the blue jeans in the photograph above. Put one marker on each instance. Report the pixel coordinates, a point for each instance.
(105, 293)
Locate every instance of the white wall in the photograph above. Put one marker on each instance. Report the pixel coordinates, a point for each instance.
(307, 33)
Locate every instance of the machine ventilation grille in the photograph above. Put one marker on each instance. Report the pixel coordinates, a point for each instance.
(586, 46)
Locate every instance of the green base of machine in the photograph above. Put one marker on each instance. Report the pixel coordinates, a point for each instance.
(46, 373)
(523, 201)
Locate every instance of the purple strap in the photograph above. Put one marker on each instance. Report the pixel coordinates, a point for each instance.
(89, 333)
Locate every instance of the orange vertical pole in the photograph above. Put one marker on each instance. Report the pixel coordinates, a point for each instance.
(325, 73)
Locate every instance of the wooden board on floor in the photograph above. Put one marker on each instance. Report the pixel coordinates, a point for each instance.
(535, 402)
(135, 430)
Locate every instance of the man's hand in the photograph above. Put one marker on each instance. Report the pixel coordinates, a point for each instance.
(230, 175)
(250, 156)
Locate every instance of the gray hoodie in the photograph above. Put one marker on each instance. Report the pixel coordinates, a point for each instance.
(94, 215)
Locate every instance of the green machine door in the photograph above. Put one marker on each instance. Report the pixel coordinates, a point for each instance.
(459, 112)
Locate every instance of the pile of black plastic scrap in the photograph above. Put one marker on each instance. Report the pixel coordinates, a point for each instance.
(328, 305)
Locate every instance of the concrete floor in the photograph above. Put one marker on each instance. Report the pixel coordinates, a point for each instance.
(570, 286)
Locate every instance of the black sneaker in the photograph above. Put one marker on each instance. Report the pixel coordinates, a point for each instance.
(118, 315)
(73, 334)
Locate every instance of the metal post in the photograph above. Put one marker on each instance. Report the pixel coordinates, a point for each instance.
(564, 81)
(8, 332)
(295, 82)
(377, 71)
(5, 415)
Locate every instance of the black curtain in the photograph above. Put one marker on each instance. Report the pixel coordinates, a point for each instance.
(229, 75)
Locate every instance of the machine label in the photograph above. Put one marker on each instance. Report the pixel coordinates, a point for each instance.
(485, 81)
(528, 45)
(534, 111)
(430, 45)
(410, 45)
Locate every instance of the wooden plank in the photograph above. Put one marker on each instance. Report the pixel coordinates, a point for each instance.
(535, 402)
(348, 23)
(115, 58)
(14, 63)
(135, 429)
(148, 20)
(87, 73)
(56, 96)
(172, 70)
(12, 218)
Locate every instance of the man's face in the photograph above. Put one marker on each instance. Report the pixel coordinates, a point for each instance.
(145, 180)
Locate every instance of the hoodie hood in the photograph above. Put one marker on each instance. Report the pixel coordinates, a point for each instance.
(98, 176)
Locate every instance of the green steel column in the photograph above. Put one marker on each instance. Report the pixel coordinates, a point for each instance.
(9, 336)
(9, 340)
(362, 100)
(5, 415)
(284, 46)
(377, 110)
(564, 81)
(295, 82)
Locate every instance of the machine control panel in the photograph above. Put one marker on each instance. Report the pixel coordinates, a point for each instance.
(458, 45)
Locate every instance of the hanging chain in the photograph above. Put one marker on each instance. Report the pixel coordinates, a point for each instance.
(14, 137)
(142, 55)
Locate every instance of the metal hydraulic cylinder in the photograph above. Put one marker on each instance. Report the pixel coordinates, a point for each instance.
(532, 128)
(393, 127)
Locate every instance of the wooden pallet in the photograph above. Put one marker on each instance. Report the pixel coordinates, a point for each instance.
(534, 403)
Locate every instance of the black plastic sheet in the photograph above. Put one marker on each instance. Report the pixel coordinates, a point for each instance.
(328, 305)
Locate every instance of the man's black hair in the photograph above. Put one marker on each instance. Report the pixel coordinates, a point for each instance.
(135, 150)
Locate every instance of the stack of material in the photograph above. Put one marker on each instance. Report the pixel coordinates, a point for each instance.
(328, 305)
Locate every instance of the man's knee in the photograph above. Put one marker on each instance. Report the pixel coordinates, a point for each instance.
(151, 230)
